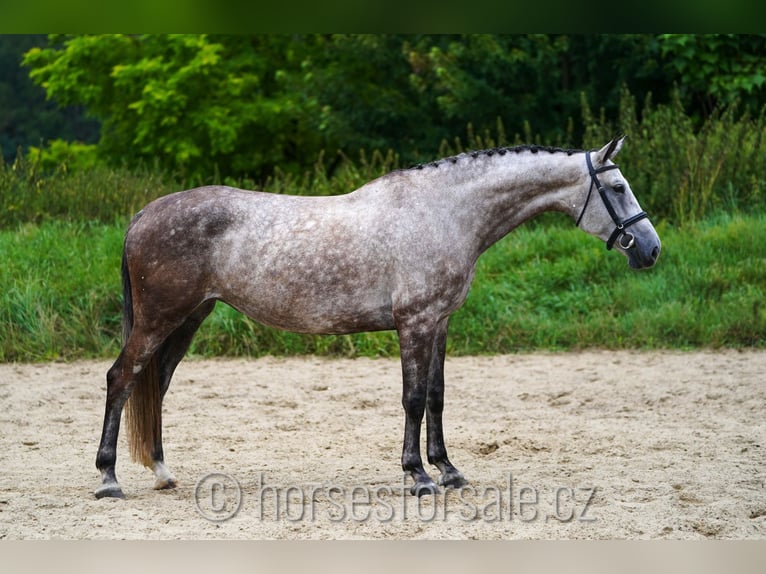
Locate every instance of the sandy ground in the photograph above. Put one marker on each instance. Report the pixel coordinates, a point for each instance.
(556, 446)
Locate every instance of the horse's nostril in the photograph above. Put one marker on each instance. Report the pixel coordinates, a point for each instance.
(655, 253)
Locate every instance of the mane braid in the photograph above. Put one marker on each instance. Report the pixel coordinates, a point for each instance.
(499, 151)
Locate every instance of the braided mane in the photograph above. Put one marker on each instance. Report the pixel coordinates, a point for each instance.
(497, 151)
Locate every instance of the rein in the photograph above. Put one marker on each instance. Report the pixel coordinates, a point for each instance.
(621, 225)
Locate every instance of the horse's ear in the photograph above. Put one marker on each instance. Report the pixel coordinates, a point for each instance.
(611, 149)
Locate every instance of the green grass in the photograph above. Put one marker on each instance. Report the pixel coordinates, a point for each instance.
(557, 288)
(543, 287)
(60, 291)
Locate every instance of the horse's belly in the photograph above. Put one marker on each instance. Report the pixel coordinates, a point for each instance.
(318, 311)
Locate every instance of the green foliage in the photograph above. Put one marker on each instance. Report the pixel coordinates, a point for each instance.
(682, 173)
(60, 154)
(201, 105)
(361, 83)
(190, 102)
(29, 193)
(25, 116)
(38, 188)
(347, 176)
(479, 78)
(555, 288)
(60, 294)
(242, 106)
(299, 114)
(542, 287)
(718, 69)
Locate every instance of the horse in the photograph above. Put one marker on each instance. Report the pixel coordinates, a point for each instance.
(399, 253)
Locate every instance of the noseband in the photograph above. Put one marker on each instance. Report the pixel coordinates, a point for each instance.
(621, 225)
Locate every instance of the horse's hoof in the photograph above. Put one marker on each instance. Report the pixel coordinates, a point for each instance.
(455, 480)
(109, 491)
(424, 488)
(164, 478)
(165, 483)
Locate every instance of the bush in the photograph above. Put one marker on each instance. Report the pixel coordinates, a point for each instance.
(29, 193)
(680, 171)
(64, 155)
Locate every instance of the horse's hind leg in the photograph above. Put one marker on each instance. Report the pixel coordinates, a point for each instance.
(437, 451)
(118, 386)
(121, 378)
(170, 354)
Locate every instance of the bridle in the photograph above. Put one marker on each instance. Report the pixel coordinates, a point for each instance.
(621, 225)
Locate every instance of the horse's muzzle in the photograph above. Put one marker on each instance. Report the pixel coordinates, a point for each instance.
(639, 256)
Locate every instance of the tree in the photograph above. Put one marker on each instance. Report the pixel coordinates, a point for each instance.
(366, 100)
(241, 105)
(191, 103)
(717, 69)
(25, 116)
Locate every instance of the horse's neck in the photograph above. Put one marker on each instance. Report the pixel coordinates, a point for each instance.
(498, 193)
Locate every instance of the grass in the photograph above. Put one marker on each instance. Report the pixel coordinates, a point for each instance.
(60, 295)
(545, 286)
(559, 289)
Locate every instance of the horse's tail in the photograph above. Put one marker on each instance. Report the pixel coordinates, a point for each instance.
(144, 406)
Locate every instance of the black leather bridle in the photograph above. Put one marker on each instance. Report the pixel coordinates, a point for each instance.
(621, 225)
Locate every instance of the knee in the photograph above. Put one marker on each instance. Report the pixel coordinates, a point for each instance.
(435, 402)
(414, 401)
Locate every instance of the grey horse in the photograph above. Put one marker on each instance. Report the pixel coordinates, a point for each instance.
(398, 253)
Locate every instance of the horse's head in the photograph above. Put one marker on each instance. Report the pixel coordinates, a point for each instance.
(616, 217)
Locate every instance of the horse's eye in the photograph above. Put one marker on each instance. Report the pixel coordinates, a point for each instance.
(619, 188)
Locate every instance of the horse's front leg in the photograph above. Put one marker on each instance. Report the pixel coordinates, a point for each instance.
(437, 451)
(416, 344)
